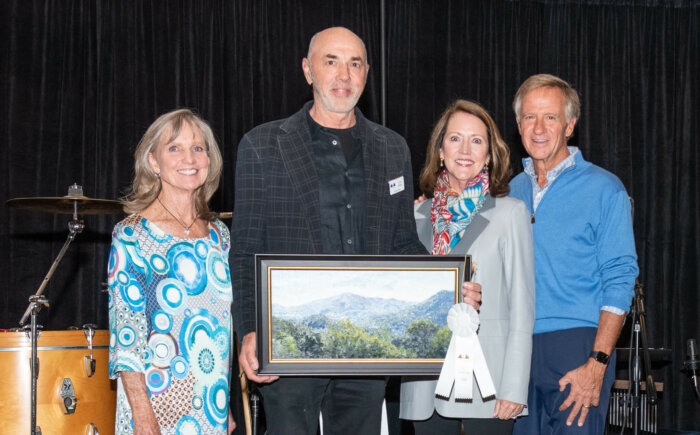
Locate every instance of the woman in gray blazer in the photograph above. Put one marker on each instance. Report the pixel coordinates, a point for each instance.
(466, 174)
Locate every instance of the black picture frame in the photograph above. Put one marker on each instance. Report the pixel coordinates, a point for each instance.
(325, 314)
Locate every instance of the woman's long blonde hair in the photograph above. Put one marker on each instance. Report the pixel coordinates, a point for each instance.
(147, 185)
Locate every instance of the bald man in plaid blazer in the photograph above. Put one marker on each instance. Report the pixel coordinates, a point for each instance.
(290, 173)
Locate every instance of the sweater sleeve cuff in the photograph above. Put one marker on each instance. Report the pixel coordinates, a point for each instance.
(613, 310)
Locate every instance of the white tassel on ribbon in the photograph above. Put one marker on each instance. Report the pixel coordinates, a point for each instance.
(464, 358)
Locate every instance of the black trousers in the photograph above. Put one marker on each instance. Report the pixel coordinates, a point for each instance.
(349, 405)
(438, 424)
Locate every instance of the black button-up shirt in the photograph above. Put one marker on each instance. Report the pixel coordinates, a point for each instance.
(341, 188)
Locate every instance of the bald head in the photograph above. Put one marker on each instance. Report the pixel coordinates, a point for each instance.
(334, 34)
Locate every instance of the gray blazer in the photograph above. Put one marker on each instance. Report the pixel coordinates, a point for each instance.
(499, 239)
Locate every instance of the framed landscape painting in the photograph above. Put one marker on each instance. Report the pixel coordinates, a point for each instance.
(355, 315)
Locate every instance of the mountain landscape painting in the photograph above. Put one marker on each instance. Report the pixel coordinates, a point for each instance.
(360, 314)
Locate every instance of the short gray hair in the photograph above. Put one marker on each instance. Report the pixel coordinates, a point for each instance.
(573, 104)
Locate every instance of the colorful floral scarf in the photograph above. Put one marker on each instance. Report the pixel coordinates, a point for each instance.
(451, 212)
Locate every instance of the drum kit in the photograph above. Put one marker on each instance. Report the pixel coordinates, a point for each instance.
(75, 393)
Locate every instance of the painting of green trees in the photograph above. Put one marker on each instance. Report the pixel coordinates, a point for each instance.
(340, 340)
(361, 314)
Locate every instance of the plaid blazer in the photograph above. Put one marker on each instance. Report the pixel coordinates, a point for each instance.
(277, 207)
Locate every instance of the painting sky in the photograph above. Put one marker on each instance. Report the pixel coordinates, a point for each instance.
(297, 287)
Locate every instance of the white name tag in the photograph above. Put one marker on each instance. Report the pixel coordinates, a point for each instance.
(396, 185)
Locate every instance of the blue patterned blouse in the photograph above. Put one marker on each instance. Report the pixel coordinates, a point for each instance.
(169, 318)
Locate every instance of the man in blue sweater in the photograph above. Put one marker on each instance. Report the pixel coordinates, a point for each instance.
(585, 264)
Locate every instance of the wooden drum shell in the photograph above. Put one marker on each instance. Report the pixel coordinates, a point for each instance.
(61, 355)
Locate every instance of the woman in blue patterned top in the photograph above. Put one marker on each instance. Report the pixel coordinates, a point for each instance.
(170, 287)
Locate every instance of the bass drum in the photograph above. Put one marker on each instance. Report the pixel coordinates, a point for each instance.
(63, 383)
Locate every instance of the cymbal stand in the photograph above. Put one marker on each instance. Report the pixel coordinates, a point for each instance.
(36, 301)
(638, 315)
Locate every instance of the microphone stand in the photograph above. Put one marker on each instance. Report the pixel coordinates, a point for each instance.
(691, 365)
(36, 301)
(638, 315)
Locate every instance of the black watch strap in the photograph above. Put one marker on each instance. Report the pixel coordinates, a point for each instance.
(599, 356)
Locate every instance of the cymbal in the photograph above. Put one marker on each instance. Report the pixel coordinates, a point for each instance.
(67, 205)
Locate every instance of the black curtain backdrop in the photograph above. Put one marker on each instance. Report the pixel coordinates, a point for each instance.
(82, 80)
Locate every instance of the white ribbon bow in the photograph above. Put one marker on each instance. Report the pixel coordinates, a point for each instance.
(464, 357)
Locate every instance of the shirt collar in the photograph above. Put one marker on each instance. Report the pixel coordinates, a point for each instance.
(315, 128)
(552, 174)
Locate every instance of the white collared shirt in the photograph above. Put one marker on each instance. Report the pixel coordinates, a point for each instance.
(529, 169)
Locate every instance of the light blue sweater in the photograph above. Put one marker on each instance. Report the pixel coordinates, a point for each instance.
(584, 246)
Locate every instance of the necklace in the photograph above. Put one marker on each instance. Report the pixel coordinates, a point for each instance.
(185, 227)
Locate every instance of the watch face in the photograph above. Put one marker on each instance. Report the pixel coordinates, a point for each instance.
(601, 357)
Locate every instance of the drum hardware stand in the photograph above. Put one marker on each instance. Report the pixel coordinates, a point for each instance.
(75, 226)
(638, 315)
(90, 363)
(35, 304)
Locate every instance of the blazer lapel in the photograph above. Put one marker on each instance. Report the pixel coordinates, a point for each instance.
(295, 150)
(475, 228)
(423, 225)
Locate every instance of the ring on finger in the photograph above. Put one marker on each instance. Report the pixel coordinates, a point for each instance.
(586, 406)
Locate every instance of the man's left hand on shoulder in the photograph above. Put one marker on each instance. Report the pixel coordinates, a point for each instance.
(586, 382)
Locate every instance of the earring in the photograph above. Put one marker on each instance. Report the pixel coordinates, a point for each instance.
(157, 174)
(441, 162)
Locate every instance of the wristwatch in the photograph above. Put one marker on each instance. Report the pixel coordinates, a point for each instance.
(599, 356)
